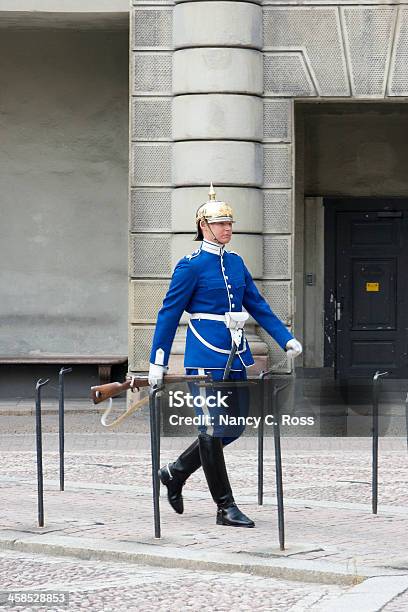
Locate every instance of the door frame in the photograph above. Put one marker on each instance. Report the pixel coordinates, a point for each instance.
(332, 206)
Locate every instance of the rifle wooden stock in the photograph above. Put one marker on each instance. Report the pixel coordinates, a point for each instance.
(100, 393)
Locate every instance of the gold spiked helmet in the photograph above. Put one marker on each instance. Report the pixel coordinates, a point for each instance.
(213, 211)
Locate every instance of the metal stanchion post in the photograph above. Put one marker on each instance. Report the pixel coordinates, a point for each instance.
(61, 431)
(155, 418)
(374, 481)
(38, 431)
(261, 431)
(158, 428)
(278, 466)
(154, 441)
(406, 418)
(261, 440)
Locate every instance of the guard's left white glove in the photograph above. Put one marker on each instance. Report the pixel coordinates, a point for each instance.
(156, 373)
(293, 348)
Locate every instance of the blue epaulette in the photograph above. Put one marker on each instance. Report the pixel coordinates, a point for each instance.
(234, 253)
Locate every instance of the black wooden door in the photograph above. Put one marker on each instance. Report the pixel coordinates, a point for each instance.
(371, 288)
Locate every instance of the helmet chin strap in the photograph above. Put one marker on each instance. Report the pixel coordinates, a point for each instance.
(215, 238)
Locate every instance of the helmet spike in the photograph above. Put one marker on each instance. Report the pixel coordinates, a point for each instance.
(211, 193)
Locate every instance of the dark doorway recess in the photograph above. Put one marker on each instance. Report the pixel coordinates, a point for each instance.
(366, 285)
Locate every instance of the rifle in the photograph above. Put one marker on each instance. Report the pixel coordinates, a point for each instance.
(100, 393)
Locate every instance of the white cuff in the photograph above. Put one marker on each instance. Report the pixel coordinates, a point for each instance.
(159, 357)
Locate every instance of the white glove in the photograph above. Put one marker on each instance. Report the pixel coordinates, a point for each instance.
(293, 348)
(156, 373)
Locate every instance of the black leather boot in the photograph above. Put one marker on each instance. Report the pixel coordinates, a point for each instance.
(212, 459)
(174, 475)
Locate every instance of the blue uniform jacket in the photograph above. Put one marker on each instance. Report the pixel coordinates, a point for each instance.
(212, 280)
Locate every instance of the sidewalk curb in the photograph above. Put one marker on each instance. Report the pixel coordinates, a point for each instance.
(167, 556)
(370, 596)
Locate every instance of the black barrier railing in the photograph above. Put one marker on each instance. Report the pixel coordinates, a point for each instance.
(277, 449)
(374, 480)
(155, 453)
(38, 431)
(155, 418)
(61, 422)
(269, 402)
(278, 464)
(262, 377)
(61, 438)
(406, 418)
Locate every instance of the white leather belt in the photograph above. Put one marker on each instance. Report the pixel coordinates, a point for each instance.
(209, 316)
(208, 344)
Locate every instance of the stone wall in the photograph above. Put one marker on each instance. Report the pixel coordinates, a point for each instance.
(63, 175)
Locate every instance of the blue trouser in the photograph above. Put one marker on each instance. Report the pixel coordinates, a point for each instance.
(227, 416)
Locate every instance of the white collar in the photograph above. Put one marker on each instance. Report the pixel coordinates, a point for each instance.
(212, 247)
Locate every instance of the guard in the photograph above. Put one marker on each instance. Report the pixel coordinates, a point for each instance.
(214, 286)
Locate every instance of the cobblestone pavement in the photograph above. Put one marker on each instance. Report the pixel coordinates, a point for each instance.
(108, 499)
(97, 586)
(327, 499)
(320, 476)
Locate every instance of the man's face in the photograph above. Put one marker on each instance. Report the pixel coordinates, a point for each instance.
(221, 231)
